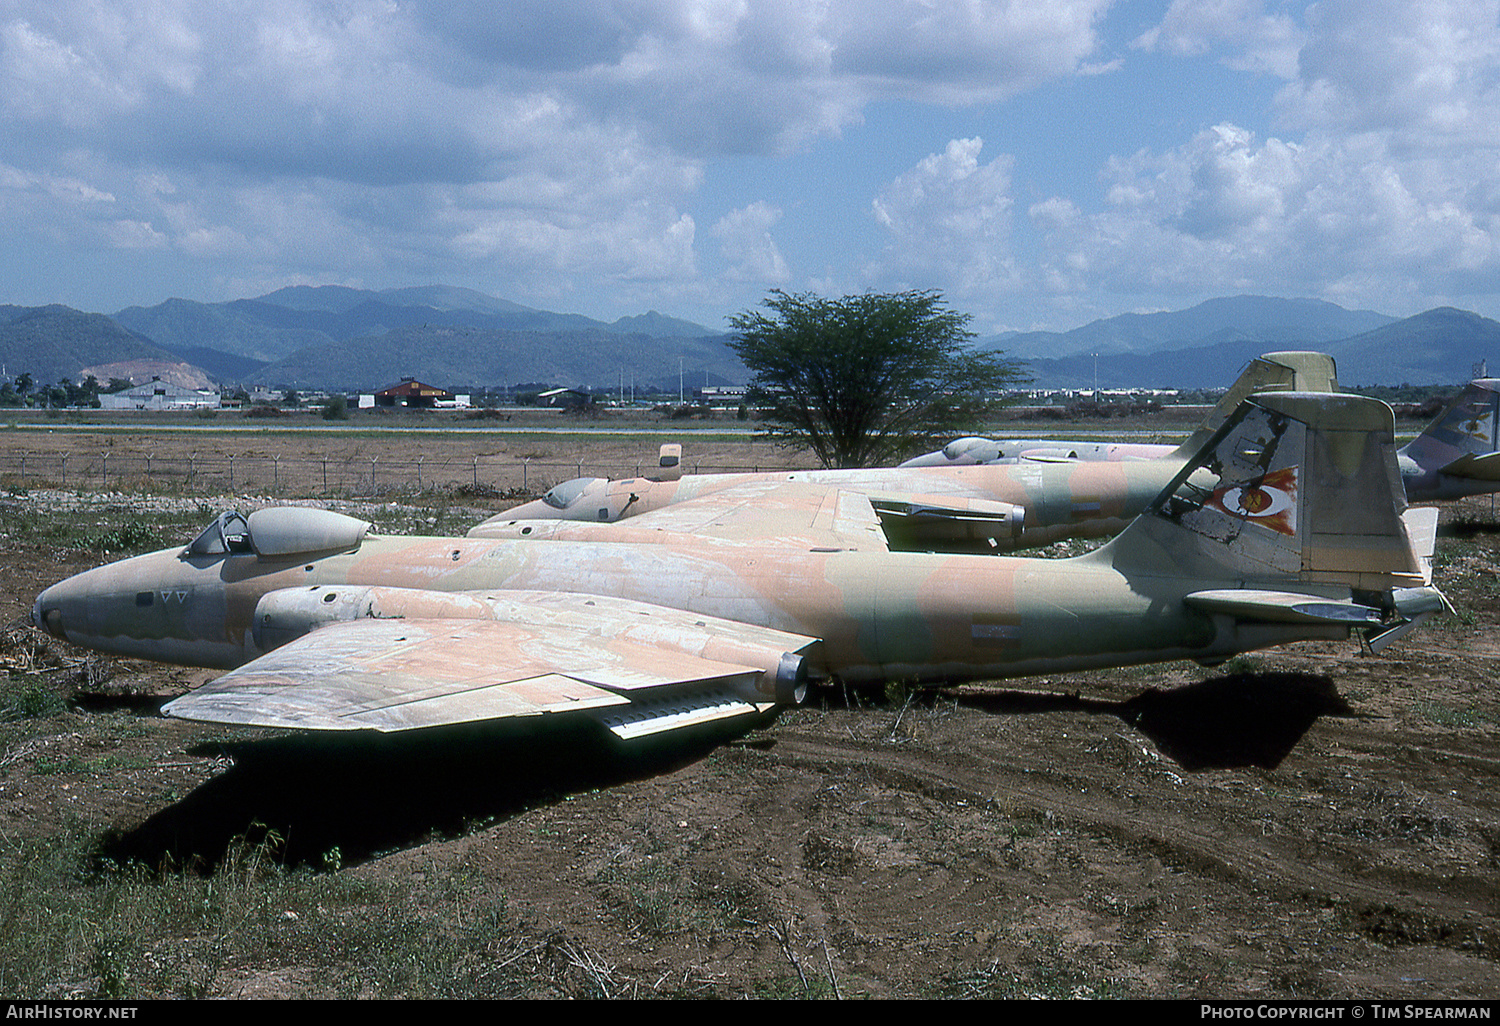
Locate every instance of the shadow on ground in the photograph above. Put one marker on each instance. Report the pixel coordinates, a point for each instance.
(1244, 719)
(363, 794)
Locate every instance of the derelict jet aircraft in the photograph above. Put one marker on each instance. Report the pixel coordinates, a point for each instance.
(1297, 530)
(974, 508)
(1287, 371)
(1456, 455)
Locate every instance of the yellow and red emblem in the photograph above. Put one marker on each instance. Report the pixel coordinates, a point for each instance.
(1272, 502)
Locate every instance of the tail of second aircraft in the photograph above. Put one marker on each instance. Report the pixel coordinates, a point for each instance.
(1459, 452)
(1273, 372)
(1293, 511)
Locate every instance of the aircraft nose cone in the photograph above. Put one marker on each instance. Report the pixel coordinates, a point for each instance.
(47, 616)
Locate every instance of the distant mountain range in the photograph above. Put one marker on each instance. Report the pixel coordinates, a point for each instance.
(1259, 319)
(55, 342)
(451, 356)
(332, 337)
(1204, 347)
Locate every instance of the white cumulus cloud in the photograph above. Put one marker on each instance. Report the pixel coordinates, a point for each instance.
(1257, 39)
(948, 221)
(1228, 211)
(510, 146)
(745, 242)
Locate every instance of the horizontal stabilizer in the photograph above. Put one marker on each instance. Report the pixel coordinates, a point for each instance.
(1485, 467)
(1282, 607)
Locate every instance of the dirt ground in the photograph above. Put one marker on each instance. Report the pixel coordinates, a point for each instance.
(1309, 822)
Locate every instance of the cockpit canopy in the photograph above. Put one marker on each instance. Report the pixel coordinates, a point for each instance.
(566, 494)
(279, 531)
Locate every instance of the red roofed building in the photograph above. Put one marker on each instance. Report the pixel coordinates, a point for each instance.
(412, 392)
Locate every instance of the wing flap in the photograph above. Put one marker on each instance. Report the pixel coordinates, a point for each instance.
(643, 719)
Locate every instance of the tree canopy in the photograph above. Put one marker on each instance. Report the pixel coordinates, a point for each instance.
(868, 379)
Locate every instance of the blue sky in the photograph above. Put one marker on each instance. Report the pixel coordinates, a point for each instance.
(1041, 162)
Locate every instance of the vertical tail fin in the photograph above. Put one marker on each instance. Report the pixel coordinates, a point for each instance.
(1272, 372)
(1459, 452)
(1295, 488)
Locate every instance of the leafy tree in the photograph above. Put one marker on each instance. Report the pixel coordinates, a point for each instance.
(865, 380)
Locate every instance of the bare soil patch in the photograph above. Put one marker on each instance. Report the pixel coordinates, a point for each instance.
(1310, 822)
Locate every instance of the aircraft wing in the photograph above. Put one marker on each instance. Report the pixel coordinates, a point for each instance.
(795, 514)
(637, 668)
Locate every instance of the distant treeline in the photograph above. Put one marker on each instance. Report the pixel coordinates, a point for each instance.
(65, 394)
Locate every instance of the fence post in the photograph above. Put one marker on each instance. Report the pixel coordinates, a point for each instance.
(192, 461)
(23, 470)
(148, 466)
(419, 473)
(372, 475)
(275, 473)
(231, 472)
(325, 475)
(476, 473)
(65, 470)
(526, 462)
(104, 471)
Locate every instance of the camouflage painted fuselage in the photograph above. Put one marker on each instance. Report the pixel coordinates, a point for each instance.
(1061, 500)
(879, 615)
